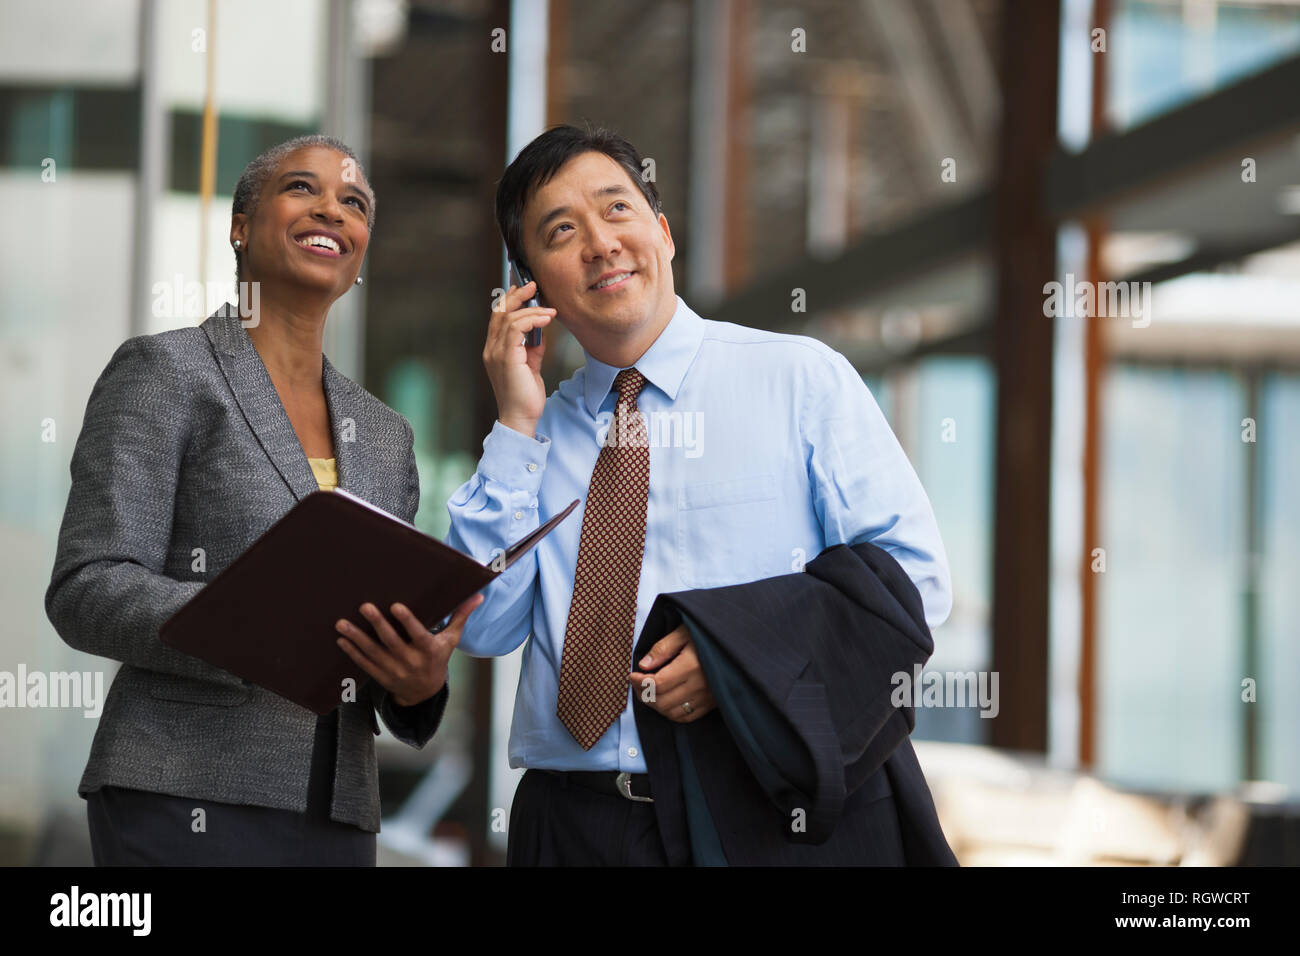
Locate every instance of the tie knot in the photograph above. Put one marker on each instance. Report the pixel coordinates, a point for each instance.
(629, 383)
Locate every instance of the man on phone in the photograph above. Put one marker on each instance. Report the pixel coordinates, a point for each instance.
(706, 454)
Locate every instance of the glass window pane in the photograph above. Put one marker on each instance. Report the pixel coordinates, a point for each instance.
(1169, 643)
(951, 447)
(1165, 55)
(1278, 447)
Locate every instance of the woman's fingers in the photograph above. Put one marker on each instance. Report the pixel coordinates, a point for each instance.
(422, 638)
(360, 659)
(414, 629)
(392, 640)
(392, 660)
(389, 655)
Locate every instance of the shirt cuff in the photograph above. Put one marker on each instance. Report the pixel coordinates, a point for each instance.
(513, 459)
(414, 725)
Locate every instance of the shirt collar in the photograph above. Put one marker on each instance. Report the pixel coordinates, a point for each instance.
(664, 364)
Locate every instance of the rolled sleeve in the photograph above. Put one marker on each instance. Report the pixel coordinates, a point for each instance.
(514, 460)
(865, 488)
(495, 508)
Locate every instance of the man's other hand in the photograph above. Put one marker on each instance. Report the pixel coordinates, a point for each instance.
(672, 681)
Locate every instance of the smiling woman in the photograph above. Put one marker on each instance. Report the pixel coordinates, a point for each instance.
(272, 171)
(300, 224)
(194, 442)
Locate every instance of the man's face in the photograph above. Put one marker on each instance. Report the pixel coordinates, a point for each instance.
(601, 257)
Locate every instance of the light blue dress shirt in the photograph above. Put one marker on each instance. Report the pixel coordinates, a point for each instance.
(765, 449)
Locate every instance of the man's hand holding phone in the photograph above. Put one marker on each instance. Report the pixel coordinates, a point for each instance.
(514, 368)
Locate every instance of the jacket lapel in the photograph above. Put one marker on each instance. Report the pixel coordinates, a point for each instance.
(260, 403)
(346, 425)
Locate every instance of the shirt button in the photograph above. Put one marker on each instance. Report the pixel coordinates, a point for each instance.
(532, 466)
(631, 751)
(518, 515)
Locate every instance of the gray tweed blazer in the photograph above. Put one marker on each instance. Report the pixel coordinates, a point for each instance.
(185, 445)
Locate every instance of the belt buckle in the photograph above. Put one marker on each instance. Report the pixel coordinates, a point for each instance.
(624, 784)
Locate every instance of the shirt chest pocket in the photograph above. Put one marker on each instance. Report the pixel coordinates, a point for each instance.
(723, 530)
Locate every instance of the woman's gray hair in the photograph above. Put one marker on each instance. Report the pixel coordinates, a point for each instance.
(255, 175)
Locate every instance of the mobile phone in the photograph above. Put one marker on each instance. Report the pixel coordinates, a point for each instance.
(519, 275)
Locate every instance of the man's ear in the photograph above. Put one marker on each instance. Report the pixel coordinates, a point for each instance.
(239, 228)
(668, 236)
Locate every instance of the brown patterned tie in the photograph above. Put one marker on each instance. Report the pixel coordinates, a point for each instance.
(597, 653)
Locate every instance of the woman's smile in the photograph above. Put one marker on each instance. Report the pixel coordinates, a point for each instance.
(322, 242)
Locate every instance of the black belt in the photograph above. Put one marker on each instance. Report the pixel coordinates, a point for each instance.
(629, 786)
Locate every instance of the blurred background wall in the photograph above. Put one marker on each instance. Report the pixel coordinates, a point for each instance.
(899, 178)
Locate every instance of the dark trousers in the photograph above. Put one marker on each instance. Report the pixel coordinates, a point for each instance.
(139, 828)
(556, 823)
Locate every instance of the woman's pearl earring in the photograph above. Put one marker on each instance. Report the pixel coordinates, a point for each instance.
(359, 280)
(236, 243)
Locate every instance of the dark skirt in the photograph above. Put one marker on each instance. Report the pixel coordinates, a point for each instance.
(141, 828)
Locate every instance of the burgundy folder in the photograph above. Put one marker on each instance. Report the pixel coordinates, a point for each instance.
(269, 617)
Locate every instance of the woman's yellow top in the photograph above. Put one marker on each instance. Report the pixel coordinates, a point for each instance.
(326, 474)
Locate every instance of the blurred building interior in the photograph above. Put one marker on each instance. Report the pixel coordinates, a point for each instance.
(898, 178)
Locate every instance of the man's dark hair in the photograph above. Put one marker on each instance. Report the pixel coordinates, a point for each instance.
(542, 158)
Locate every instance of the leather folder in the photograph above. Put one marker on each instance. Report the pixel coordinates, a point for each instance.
(269, 616)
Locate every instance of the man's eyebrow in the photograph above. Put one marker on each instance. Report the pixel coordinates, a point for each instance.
(555, 213)
(299, 172)
(614, 189)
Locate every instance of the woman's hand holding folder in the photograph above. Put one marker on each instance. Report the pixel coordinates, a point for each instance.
(411, 670)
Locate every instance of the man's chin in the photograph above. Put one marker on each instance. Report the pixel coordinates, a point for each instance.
(630, 322)
(617, 311)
